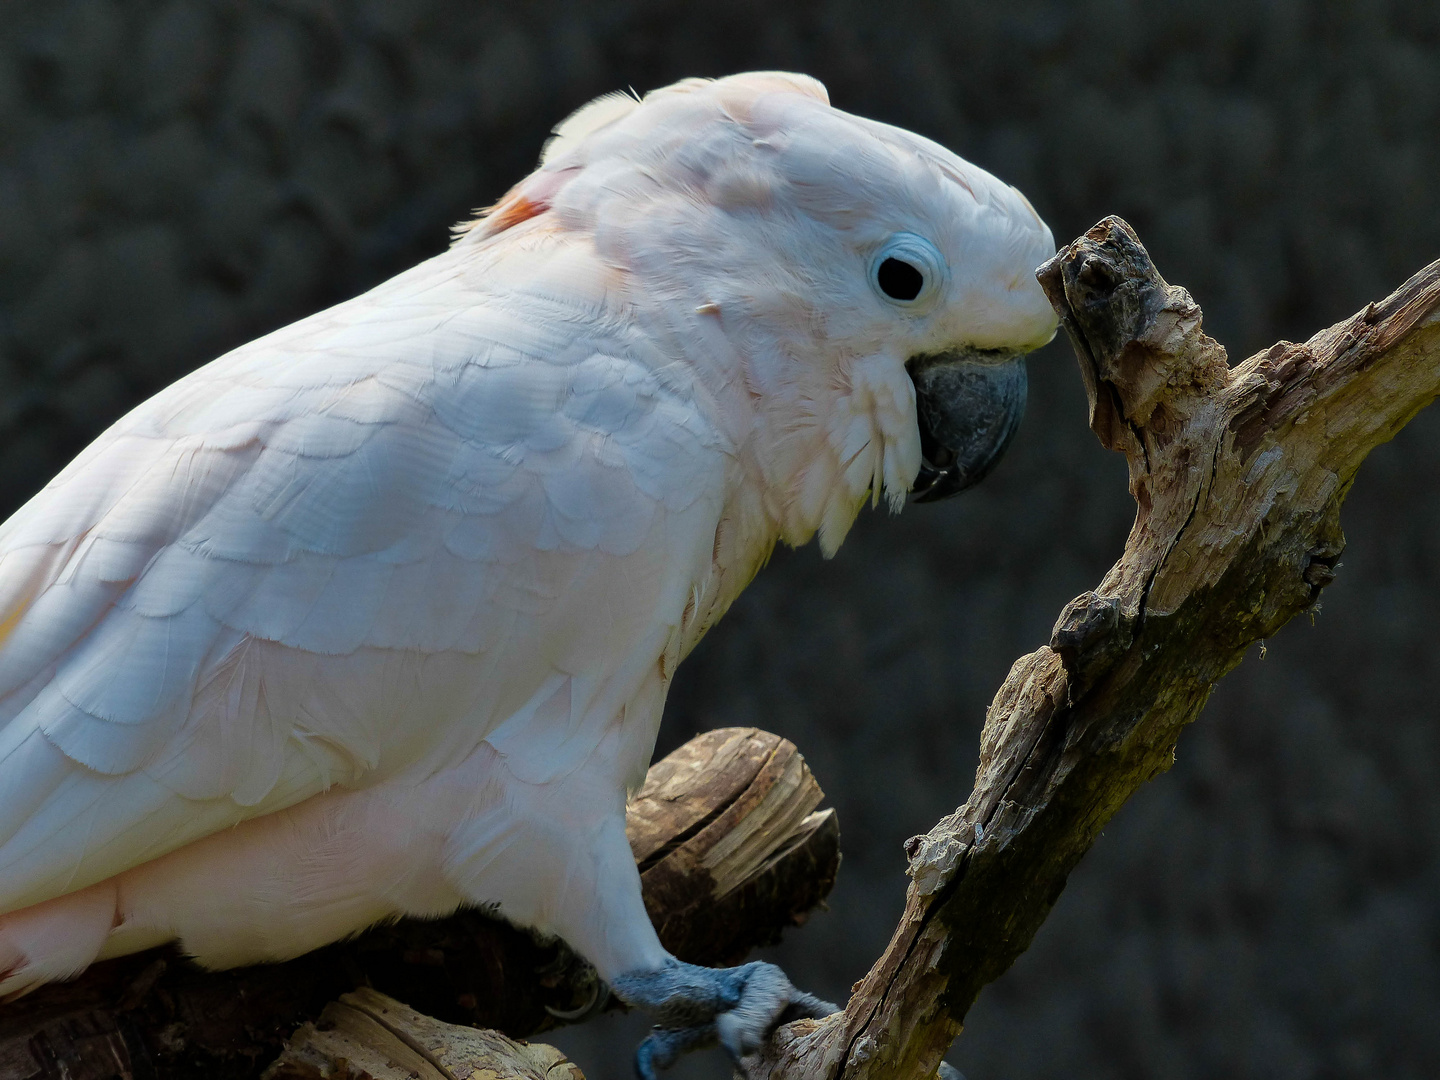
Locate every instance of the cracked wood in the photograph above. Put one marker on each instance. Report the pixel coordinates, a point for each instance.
(1238, 475)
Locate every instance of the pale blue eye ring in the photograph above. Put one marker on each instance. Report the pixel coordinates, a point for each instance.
(907, 270)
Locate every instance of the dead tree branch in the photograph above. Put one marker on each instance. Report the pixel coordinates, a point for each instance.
(731, 851)
(1238, 476)
(368, 1036)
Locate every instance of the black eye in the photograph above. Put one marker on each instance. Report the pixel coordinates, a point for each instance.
(899, 280)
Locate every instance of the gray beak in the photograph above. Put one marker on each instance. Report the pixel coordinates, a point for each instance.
(969, 405)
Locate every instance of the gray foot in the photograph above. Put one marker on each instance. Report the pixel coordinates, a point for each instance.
(695, 1007)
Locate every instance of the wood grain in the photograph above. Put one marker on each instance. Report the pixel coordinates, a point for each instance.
(368, 1036)
(1238, 474)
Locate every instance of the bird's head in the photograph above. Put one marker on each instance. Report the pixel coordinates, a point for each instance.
(857, 297)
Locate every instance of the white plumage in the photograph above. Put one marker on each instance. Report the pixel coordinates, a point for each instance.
(376, 614)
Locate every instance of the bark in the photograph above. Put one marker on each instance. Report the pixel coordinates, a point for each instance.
(1238, 476)
(731, 851)
(368, 1036)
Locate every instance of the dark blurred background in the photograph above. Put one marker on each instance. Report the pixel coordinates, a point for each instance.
(176, 177)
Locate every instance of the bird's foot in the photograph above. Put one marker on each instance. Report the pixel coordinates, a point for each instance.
(695, 1007)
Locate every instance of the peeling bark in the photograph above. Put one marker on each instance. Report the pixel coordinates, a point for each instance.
(1238, 476)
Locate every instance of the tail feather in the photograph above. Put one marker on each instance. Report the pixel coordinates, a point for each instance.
(55, 940)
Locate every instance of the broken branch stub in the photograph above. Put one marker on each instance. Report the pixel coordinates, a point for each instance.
(726, 863)
(366, 1035)
(1238, 475)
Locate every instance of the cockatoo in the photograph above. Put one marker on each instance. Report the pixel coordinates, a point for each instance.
(375, 616)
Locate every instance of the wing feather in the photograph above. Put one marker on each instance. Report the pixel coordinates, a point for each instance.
(352, 547)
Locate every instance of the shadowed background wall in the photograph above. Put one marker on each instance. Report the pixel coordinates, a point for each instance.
(176, 177)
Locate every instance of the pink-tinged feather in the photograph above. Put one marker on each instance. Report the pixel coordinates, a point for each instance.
(377, 613)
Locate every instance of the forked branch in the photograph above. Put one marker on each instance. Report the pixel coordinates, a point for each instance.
(1238, 476)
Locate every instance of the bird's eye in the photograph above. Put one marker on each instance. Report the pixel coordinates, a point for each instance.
(899, 280)
(907, 270)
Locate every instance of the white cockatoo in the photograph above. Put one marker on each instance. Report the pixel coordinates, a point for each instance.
(375, 615)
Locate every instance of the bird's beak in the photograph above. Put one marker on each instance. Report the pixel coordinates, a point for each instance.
(969, 405)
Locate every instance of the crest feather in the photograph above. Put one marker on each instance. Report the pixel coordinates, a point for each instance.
(605, 109)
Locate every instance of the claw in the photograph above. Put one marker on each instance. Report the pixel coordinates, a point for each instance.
(561, 959)
(599, 997)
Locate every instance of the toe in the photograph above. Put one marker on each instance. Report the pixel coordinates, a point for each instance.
(695, 1006)
(805, 1006)
(766, 1001)
(743, 1028)
(663, 1047)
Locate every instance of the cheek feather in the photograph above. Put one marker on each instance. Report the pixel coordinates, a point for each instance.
(871, 443)
(884, 389)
